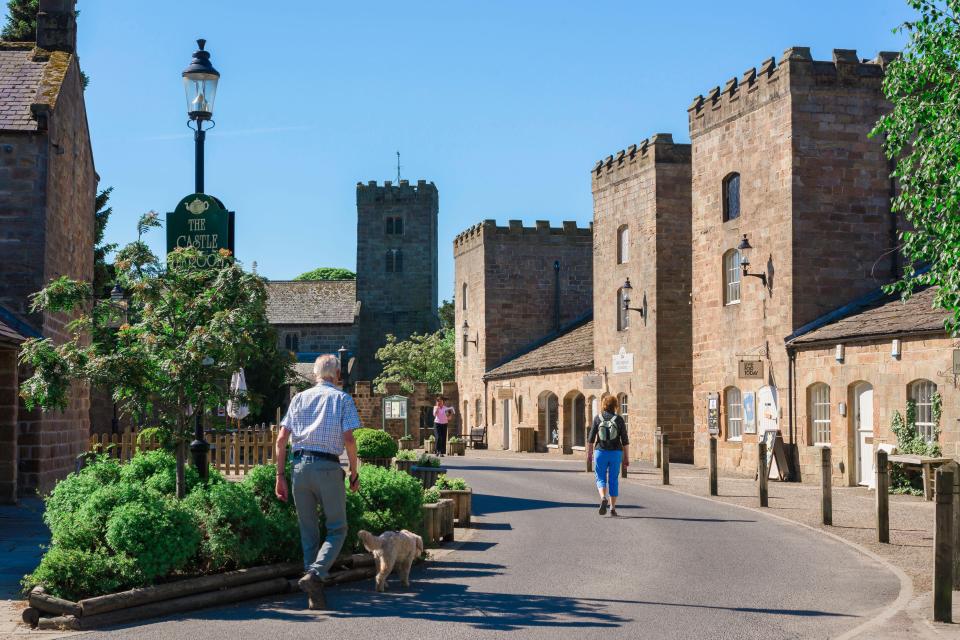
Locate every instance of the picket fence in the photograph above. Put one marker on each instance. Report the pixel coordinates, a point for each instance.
(232, 452)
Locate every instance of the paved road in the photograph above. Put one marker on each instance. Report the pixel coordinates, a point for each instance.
(544, 564)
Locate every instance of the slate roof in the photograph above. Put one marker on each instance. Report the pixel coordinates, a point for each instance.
(8, 335)
(312, 301)
(884, 316)
(20, 77)
(572, 349)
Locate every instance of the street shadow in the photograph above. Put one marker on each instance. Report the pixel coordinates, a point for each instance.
(485, 504)
(475, 545)
(480, 467)
(492, 526)
(626, 517)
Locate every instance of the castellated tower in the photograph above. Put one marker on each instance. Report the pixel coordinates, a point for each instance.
(396, 265)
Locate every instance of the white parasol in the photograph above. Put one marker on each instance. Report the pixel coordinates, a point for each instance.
(238, 409)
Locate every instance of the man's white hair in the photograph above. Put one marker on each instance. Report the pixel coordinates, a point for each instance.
(327, 367)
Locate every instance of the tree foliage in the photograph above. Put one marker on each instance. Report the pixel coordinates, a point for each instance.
(447, 313)
(188, 329)
(427, 357)
(102, 271)
(21, 25)
(328, 273)
(922, 136)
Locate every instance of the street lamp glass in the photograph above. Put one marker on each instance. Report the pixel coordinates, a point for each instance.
(200, 84)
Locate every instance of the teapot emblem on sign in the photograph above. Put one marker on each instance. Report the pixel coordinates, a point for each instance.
(198, 206)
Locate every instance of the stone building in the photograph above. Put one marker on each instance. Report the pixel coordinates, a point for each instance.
(519, 289)
(781, 158)
(48, 184)
(858, 366)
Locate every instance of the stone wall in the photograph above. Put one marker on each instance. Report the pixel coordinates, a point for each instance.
(8, 423)
(813, 203)
(646, 190)
(319, 338)
(929, 358)
(419, 408)
(510, 283)
(399, 303)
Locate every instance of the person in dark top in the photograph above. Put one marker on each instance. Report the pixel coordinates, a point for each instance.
(608, 443)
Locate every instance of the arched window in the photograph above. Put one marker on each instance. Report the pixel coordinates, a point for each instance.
(731, 277)
(818, 410)
(623, 244)
(519, 409)
(478, 412)
(734, 409)
(292, 341)
(623, 316)
(624, 407)
(463, 296)
(394, 226)
(731, 197)
(394, 261)
(921, 392)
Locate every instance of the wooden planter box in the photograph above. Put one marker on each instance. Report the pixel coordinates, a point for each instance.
(462, 505)
(438, 522)
(406, 445)
(386, 463)
(405, 465)
(457, 448)
(427, 475)
(430, 446)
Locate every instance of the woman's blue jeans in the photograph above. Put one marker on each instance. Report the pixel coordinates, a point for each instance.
(606, 466)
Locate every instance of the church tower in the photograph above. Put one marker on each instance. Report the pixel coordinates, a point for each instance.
(396, 265)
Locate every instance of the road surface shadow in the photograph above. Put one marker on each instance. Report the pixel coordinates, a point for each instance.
(622, 516)
(485, 504)
(481, 467)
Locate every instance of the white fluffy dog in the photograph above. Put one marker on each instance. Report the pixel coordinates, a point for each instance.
(393, 549)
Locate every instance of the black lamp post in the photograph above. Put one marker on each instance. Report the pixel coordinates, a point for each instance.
(744, 248)
(627, 288)
(200, 83)
(200, 447)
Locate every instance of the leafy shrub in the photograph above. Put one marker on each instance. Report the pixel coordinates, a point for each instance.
(406, 454)
(158, 470)
(431, 495)
(281, 517)
(159, 533)
(235, 532)
(374, 443)
(429, 438)
(391, 500)
(455, 439)
(406, 438)
(453, 484)
(427, 460)
(909, 441)
(74, 491)
(75, 574)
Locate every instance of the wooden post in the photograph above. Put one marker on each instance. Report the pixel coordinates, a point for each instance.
(955, 468)
(657, 444)
(762, 472)
(883, 497)
(943, 548)
(623, 469)
(826, 486)
(665, 458)
(712, 466)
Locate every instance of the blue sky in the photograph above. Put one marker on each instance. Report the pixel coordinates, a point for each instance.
(504, 105)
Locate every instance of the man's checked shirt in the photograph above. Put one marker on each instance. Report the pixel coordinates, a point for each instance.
(318, 417)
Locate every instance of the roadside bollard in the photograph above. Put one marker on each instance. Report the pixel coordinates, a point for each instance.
(883, 497)
(826, 487)
(712, 466)
(943, 548)
(762, 472)
(955, 468)
(665, 460)
(657, 447)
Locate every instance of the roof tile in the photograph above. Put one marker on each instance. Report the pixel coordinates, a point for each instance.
(312, 301)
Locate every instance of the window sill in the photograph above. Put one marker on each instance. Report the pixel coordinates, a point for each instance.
(553, 446)
(737, 439)
(731, 304)
(822, 445)
(578, 448)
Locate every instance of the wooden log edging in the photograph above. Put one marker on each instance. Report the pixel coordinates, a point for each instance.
(42, 601)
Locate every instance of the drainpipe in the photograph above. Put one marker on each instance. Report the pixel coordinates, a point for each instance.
(556, 296)
(791, 410)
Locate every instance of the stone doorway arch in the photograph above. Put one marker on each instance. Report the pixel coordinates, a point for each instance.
(575, 420)
(548, 410)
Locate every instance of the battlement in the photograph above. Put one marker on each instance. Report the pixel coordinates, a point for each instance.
(488, 230)
(403, 192)
(658, 148)
(796, 70)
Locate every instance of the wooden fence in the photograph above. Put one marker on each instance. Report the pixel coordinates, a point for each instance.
(232, 452)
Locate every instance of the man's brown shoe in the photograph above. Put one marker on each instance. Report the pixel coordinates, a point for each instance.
(312, 585)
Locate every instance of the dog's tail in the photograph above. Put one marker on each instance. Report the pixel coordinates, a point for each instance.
(370, 541)
(419, 542)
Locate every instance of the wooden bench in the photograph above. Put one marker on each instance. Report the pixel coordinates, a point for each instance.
(926, 464)
(478, 437)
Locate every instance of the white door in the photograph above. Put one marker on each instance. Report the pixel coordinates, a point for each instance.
(506, 424)
(864, 425)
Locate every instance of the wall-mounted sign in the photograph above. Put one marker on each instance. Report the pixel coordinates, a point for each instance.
(768, 412)
(750, 369)
(749, 412)
(713, 414)
(504, 393)
(202, 222)
(592, 381)
(623, 361)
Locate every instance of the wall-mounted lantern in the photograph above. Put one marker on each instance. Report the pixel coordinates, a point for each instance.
(627, 288)
(744, 248)
(838, 356)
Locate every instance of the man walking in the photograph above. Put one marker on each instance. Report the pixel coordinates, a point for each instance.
(319, 425)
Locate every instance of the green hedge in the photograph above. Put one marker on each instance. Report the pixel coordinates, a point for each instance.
(374, 443)
(115, 527)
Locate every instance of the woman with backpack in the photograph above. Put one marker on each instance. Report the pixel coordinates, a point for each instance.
(609, 435)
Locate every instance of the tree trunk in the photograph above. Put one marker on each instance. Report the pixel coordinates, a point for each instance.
(181, 469)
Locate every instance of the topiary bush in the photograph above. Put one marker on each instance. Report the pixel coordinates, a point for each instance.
(75, 574)
(391, 500)
(158, 470)
(374, 443)
(234, 528)
(158, 533)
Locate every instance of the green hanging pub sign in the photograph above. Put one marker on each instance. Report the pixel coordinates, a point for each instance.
(201, 221)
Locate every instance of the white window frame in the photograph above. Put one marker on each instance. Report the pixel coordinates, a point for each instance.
(623, 244)
(733, 403)
(731, 277)
(623, 401)
(818, 408)
(921, 392)
(463, 301)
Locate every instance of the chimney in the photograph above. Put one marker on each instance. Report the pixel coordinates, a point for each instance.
(57, 25)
